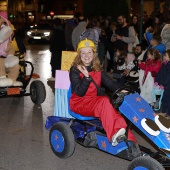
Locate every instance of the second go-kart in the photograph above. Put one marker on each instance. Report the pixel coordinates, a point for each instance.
(37, 89)
(66, 128)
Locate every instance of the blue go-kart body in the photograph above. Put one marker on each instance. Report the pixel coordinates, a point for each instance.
(66, 127)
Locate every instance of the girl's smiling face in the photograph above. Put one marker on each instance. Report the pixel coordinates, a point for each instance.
(150, 56)
(87, 55)
(166, 57)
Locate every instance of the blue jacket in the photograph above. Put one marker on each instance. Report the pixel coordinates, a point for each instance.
(160, 47)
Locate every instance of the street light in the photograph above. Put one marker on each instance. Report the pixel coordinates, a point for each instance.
(52, 14)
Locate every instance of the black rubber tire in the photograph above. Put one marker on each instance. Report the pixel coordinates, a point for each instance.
(68, 138)
(146, 162)
(38, 92)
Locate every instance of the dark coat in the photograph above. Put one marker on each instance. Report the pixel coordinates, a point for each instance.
(163, 76)
(20, 44)
(57, 40)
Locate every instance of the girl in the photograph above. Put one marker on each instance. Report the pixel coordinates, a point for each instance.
(163, 78)
(84, 99)
(148, 72)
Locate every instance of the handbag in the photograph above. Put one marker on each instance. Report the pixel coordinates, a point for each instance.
(100, 90)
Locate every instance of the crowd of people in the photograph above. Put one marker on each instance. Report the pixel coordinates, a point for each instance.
(120, 51)
(106, 47)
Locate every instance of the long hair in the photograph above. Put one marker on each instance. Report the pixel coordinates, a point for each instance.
(155, 53)
(95, 62)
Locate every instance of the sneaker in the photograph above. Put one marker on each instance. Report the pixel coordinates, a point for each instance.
(51, 79)
(119, 133)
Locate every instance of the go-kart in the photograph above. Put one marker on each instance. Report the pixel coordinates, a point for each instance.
(66, 127)
(37, 88)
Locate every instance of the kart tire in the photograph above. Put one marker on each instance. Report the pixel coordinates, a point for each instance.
(62, 140)
(145, 163)
(37, 91)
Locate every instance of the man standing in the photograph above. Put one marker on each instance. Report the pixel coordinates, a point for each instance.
(69, 27)
(81, 27)
(125, 35)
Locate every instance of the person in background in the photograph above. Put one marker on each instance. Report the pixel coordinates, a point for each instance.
(17, 43)
(163, 78)
(92, 32)
(57, 45)
(125, 35)
(165, 34)
(139, 49)
(135, 24)
(69, 27)
(148, 72)
(84, 99)
(102, 46)
(78, 31)
(111, 45)
(155, 43)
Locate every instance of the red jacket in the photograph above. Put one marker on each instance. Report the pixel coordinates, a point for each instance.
(151, 66)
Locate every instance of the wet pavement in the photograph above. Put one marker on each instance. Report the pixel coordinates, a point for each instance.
(24, 141)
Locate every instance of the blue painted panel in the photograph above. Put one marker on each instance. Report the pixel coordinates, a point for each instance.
(106, 146)
(135, 108)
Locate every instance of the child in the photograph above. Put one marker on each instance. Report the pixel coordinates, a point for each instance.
(163, 78)
(118, 68)
(123, 65)
(148, 72)
(84, 99)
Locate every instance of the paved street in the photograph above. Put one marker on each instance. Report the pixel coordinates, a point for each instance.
(24, 143)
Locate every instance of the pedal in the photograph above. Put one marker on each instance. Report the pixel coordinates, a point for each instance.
(121, 138)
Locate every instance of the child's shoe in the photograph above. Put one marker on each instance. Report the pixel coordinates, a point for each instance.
(119, 133)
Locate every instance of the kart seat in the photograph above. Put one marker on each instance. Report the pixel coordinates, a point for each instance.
(77, 116)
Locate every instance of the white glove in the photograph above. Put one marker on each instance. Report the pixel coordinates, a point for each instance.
(11, 61)
(5, 33)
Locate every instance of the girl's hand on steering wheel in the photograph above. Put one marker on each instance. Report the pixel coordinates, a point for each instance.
(83, 70)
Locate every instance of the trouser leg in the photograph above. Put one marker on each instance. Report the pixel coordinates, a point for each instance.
(2, 67)
(13, 72)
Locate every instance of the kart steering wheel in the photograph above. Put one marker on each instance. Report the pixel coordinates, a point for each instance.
(117, 97)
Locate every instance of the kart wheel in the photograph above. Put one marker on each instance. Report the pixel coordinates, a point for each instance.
(37, 91)
(145, 163)
(62, 140)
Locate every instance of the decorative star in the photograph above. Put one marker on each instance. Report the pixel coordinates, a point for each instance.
(141, 110)
(56, 137)
(138, 99)
(104, 144)
(135, 119)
